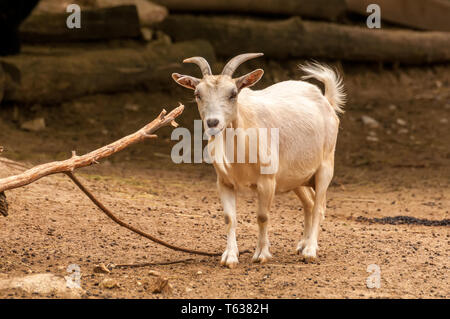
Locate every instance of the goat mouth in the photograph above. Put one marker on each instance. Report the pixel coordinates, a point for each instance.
(212, 131)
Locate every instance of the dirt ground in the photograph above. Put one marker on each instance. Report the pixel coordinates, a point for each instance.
(51, 224)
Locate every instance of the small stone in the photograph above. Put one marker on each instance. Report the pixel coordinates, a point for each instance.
(35, 125)
(147, 34)
(403, 131)
(199, 272)
(154, 273)
(372, 139)
(109, 283)
(132, 107)
(443, 121)
(187, 289)
(369, 121)
(401, 122)
(101, 269)
(163, 38)
(392, 107)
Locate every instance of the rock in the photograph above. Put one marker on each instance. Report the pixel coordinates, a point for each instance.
(370, 122)
(401, 122)
(161, 285)
(403, 131)
(36, 125)
(443, 121)
(43, 284)
(147, 34)
(154, 273)
(109, 283)
(372, 139)
(101, 269)
(199, 272)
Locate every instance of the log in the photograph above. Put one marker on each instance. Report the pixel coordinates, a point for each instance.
(54, 79)
(96, 24)
(330, 10)
(419, 14)
(149, 12)
(295, 38)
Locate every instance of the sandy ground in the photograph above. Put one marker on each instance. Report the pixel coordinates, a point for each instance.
(52, 225)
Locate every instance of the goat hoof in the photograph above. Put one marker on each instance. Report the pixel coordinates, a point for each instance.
(229, 259)
(309, 253)
(301, 245)
(261, 257)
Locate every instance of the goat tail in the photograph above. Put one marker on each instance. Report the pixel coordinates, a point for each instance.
(334, 87)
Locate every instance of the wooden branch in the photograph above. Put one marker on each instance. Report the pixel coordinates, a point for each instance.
(93, 157)
(129, 227)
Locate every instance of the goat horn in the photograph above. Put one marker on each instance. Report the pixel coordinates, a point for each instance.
(233, 64)
(202, 63)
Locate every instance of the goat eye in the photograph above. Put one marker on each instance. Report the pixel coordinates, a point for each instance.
(233, 95)
(197, 96)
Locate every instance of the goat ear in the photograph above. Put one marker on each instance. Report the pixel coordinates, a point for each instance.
(249, 79)
(185, 80)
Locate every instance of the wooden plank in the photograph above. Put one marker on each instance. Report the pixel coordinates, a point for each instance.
(419, 14)
(96, 24)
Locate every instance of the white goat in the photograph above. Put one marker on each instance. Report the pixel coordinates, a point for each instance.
(308, 126)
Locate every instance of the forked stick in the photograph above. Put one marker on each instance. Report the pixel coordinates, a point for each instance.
(93, 157)
(68, 166)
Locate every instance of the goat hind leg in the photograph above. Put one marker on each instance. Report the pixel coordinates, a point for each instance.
(306, 195)
(323, 178)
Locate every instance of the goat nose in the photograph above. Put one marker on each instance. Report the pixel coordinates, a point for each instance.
(212, 122)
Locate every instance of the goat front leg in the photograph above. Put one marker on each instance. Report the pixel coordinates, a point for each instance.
(228, 199)
(266, 193)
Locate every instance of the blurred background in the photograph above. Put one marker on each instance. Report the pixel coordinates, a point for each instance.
(63, 88)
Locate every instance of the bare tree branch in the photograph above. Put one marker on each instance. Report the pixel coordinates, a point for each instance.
(133, 229)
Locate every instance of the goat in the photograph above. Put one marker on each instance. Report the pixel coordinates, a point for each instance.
(308, 126)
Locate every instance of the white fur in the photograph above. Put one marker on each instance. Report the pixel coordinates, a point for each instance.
(308, 127)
